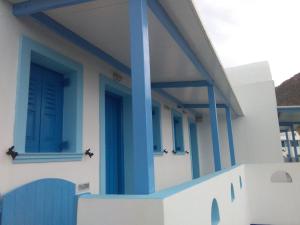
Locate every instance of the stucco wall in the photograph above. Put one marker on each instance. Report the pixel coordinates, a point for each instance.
(169, 169)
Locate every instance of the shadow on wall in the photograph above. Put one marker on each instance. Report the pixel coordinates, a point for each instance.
(281, 177)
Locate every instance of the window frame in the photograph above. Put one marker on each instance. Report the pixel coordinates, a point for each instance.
(32, 51)
(176, 114)
(157, 105)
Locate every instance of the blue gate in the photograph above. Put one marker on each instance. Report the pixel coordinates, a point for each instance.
(42, 202)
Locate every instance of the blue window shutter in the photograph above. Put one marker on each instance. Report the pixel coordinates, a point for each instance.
(34, 109)
(156, 129)
(51, 112)
(178, 133)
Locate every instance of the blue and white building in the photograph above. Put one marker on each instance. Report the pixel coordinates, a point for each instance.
(120, 112)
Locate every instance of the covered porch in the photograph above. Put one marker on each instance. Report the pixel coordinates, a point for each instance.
(151, 47)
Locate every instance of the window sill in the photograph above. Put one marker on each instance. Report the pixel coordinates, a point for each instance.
(158, 153)
(47, 157)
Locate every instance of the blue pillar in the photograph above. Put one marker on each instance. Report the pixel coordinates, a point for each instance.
(230, 136)
(141, 98)
(214, 127)
(288, 145)
(294, 141)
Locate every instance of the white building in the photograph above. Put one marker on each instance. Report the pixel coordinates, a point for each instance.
(125, 106)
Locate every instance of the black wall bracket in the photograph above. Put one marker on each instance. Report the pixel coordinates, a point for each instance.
(89, 153)
(12, 153)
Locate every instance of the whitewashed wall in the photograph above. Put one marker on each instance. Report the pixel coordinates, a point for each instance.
(169, 169)
(191, 206)
(273, 203)
(256, 135)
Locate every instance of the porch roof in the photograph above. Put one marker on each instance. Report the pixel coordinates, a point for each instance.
(288, 116)
(180, 49)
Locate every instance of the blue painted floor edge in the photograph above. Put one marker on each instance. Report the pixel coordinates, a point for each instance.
(163, 193)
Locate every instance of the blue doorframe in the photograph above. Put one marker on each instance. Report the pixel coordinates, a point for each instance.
(194, 149)
(114, 143)
(108, 85)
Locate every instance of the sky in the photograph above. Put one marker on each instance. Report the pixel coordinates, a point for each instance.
(246, 31)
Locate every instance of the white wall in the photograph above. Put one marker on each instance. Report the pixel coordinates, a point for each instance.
(191, 206)
(256, 135)
(273, 203)
(170, 169)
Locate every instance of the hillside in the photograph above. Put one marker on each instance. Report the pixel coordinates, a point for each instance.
(288, 93)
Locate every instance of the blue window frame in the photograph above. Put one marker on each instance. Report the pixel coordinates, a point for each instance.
(177, 132)
(156, 121)
(39, 69)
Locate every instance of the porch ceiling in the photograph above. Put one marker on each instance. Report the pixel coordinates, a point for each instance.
(288, 115)
(105, 23)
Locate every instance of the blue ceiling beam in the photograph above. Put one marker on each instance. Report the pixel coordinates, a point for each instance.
(289, 123)
(34, 6)
(80, 42)
(170, 26)
(288, 109)
(201, 106)
(180, 84)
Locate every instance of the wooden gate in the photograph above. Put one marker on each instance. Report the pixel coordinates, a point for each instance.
(42, 202)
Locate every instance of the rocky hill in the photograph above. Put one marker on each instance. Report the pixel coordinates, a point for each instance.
(288, 93)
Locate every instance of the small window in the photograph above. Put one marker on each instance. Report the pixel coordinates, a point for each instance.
(178, 132)
(48, 115)
(156, 128)
(283, 143)
(241, 182)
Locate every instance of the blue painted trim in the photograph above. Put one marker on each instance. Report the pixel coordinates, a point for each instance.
(230, 136)
(194, 152)
(214, 127)
(180, 116)
(166, 192)
(170, 26)
(141, 98)
(288, 145)
(80, 42)
(289, 123)
(290, 109)
(31, 51)
(158, 105)
(48, 157)
(180, 84)
(107, 84)
(294, 145)
(202, 106)
(30, 7)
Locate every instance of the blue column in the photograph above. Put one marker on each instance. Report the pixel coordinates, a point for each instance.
(230, 136)
(294, 141)
(214, 127)
(288, 145)
(141, 98)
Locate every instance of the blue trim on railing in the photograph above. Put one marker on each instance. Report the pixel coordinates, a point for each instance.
(30, 7)
(166, 192)
(180, 84)
(80, 42)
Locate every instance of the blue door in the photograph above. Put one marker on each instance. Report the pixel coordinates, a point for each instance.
(194, 150)
(114, 144)
(45, 110)
(42, 202)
